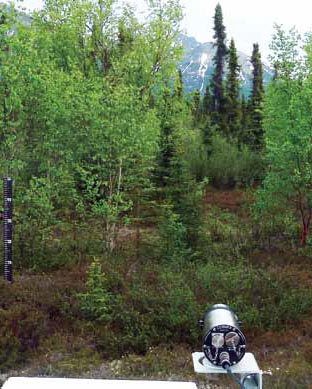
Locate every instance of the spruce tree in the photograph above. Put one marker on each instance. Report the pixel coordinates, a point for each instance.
(207, 102)
(196, 108)
(166, 142)
(233, 105)
(243, 133)
(177, 189)
(256, 99)
(206, 122)
(217, 87)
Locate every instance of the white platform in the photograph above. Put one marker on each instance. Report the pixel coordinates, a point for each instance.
(248, 365)
(69, 383)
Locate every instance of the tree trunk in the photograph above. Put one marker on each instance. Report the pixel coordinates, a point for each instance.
(304, 235)
(305, 229)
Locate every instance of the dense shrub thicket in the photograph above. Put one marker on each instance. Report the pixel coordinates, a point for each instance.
(97, 131)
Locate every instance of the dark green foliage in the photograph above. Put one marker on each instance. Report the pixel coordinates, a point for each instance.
(207, 132)
(256, 135)
(243, 133)
(97, 302)
(179, 85)
(229, 165)
(233, 107)
(207, 104)
(178, 190)
(183, 193)
(167, 141)
(196, 107)
(217, 83)
(173, 235)
(196, 155)
(186, 197)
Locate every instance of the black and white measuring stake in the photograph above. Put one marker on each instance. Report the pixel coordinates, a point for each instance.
(8, 227)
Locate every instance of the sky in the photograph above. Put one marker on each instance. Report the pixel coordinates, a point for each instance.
(247, 21)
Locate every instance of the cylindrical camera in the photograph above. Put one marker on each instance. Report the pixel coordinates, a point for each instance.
(223, 342)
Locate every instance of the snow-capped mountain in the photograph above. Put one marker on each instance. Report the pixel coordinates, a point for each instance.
(197, 66)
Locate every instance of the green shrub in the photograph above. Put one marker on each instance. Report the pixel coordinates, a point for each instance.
(223, 235)
(154, 313)
(156, 307)
(34, 222)
(196, 156)
(273, 221)
(261, 299)
(173, 237)
(96, 302)
(229, 166)
(161, 303)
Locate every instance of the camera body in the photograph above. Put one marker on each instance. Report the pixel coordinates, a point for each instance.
(223, 342)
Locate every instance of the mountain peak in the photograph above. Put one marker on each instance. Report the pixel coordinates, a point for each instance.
(197, 66)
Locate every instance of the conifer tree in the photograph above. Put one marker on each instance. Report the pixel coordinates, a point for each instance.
(196, 108)
(176, 187)
(243, 133)
(233, 107)
(218, 95)
(207, 103)
(256, 99)
(206, 119)
(166, 142)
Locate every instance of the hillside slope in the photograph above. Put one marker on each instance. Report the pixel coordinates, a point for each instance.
(197, 66)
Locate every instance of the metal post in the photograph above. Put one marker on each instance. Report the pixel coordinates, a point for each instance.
(8, 227)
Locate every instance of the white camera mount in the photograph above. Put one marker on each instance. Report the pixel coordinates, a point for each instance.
(247, 369)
